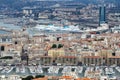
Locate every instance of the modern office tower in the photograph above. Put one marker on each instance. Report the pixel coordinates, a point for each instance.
(102, 15)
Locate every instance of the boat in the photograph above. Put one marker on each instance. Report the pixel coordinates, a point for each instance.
(39, 69)
(32, 69)
(109, 71)
(53, 69)
(17, 70)
(10, 69)
(79, 69)
(117, 68)
(66, 69)
(1, 67)
(7, 70)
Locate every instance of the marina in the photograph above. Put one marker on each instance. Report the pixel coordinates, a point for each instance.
(58, 70)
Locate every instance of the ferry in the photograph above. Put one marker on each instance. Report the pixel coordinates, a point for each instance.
(53, 28)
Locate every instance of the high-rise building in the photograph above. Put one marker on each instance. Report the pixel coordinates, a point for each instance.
(102, 15)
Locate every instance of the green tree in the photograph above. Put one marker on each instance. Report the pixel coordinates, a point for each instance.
(39, 76)
(7, 57)
(28, 78)
(54, 46)
(60, 45)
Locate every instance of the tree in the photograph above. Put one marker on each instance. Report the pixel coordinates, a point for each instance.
(28, 78)
(54, 46)
(39, 76)
(7, 57)
(60, 45)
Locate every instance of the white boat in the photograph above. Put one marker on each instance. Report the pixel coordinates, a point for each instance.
(7, 70)
(17, 70)
(53, 69)
(39, 69)
(11, 68)
(32, 69)
(66, 69)
(1, 67)
(109, 71)
(22, 70)
(79, 69)
(117, 68)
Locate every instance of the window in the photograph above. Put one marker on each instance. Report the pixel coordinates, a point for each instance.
(85, 60)
(16, 42)
(113, 54)
(3, 39)
(2, 48)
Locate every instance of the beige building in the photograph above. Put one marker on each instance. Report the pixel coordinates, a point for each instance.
(46, 60)
(105, 53)
(113, 60)
(38, 38)
(41, 59)
(67, 60)
(92, 60)
(56, 52)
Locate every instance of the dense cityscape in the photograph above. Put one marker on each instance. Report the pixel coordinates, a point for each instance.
(59, 40)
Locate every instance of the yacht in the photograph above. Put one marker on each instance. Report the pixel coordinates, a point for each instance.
(7, 70)
(17, 70)
(79, 69)
(109, 71)
(10, 69)
(53, 69)
(20, 69)
(39, 69)
(117, 68)
(1, 67)
(66, 69)
(32, 69)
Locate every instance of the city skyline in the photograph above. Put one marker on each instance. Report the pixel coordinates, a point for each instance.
(59, 40)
